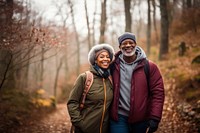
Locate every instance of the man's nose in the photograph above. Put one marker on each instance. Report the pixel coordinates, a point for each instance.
(128, 44)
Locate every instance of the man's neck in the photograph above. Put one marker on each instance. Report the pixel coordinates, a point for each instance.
(130, 59)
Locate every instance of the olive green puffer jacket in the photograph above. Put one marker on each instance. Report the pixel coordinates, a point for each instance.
(94, 117)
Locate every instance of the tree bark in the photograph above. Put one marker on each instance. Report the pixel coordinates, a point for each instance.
(94, 21)
(154, 21)
(58, 67)
(148, 28)
(77, 38)
(103, 22)
(128, 19)
(88, 26)
(164, 39)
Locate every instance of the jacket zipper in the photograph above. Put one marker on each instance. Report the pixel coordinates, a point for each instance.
(104, 106)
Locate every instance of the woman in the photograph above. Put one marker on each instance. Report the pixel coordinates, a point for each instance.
(94, 116)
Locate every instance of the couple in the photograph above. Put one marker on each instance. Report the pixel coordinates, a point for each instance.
(128, 104)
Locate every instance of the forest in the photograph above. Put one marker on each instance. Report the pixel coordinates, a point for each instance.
(44, 47)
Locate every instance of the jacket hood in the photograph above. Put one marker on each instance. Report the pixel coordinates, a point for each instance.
(140, 54)
(97, 48)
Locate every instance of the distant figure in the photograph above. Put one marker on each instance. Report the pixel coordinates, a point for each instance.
(138, 96)
(182, 48)
(94, 116)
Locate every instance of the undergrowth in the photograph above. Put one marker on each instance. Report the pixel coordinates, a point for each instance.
(17, 107)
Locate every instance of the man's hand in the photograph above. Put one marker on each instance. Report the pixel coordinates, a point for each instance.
(153, 125)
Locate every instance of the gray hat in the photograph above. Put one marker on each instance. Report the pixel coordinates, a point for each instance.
(92, 55)
(126, 35)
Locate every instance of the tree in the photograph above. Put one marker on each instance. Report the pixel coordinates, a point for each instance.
(94, 21)
(154, 20)
(88, 25)
(6, 58)
(164, 39)
(149, 28)
(77, 37)
(103, 21)
(139, 22)
(128, 19)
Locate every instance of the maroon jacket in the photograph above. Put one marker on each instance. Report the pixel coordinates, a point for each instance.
(143, 106)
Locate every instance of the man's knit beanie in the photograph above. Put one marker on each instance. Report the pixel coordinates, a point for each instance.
(126, 35)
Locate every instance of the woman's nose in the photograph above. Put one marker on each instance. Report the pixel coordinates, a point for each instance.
(106, 58)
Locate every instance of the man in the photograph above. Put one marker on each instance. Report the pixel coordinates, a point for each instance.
(137, 105)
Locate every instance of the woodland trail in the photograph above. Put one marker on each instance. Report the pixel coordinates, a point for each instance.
(56, 122)
(59, 121)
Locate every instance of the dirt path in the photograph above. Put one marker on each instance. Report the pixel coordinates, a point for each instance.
(59, 121)
(55, 122)
(172, 122)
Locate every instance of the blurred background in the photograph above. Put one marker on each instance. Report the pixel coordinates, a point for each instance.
(44, 46)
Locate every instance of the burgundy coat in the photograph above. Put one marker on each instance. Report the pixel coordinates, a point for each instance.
(143, 106)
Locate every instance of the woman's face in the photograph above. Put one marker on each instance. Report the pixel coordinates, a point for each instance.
(103, 60)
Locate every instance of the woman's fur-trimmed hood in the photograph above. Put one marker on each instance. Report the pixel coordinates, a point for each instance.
(98, 47)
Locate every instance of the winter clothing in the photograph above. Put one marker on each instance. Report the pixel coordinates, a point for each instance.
(94, 116)
(102, 72)
(126, 35)
(89, 119)
(95, 51)
(125, 84)
(153, 125)
(140, 106)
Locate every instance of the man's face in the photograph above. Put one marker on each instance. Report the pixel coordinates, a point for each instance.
(127, 47)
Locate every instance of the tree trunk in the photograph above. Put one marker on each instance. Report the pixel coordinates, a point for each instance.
(148, 28)
(88, 26)
(140, 21)
(128, 19)
(189, 3)
(7, 59)
(58, 67)
(103, 22)
(6, 55)
(154, 21)
(42, 67)
(164, 40)
(94, 21)
(77, 38)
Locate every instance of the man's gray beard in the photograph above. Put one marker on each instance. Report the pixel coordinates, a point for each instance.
(128, 54)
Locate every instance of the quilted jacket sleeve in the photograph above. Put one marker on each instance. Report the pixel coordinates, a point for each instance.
(74, 101)
(157, 92)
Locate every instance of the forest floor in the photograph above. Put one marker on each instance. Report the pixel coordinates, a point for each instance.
(58, 121)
